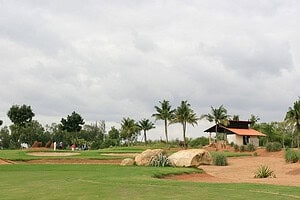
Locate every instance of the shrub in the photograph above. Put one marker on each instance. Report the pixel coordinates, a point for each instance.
(292, 156)
(231, 144)
(236, 147)
(273, 146)
(242, 148)
(159, 160)
(220, 159)
(264, 171)
(255, 154)
(251, 147)
(198, 142)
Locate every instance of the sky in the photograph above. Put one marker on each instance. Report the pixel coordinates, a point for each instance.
(112, 59)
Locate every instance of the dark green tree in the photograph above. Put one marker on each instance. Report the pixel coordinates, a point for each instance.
(236, 117)
(217, 115)
(184, 115)
(146, 125)
(293, 118)
(5, 138)
(253, 119)
(1, 122)
(165, 113)
(73, 123)
(20, 115)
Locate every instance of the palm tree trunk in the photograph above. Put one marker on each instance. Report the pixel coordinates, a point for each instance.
(184, 130)
(166, 131)
(145, 137)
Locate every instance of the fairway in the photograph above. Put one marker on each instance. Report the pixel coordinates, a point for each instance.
(24, 181)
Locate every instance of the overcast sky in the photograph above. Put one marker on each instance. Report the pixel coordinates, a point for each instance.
(112, 59)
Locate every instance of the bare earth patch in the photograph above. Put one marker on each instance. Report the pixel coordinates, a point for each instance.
(241, 170)
(121, 154)
(52, 154)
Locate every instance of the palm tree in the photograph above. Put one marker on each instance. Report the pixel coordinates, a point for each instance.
(146, 125)
(218, 116)
(164, 113)
(253, 119)
(185, 115)
(129, 129)
(236, 117)
(293, 118)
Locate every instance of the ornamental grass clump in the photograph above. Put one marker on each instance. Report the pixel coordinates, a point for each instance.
(292, 156)
(251, 147)
(160, 160)
(264, 171)
(220, 159)
(242, 148)
(236, 147)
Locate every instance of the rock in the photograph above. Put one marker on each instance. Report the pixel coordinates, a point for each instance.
(127, 162)
(144, 158)
(191, 158)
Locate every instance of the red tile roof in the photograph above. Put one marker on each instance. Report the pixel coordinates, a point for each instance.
(246, 132)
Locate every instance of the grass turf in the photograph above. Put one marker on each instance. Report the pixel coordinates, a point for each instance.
(116, 182)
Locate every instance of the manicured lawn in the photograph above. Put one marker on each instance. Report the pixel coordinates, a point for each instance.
(116, 182)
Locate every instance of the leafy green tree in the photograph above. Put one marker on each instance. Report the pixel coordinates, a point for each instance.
(217, 115)
(1, 122)
(114, 133)
(145, 125)
(129, 130)
(184, 115)
(293, 118)
(165, 113)
(20, 115)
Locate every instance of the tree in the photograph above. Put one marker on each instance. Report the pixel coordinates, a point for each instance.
(1, 122)
(145, 125)
(73, 123)
(129, 130)
(236, 117)
(218, 116)
(253, 119)
(293, 118)
(20, 115)
(165, 113)
(184, 115)
(5, 138)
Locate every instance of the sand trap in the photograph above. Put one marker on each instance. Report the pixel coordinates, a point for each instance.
(120, 154)
(52, 154)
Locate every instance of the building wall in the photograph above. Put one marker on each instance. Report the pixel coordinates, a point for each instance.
(254, 140)
(231, 138)
(239, 140)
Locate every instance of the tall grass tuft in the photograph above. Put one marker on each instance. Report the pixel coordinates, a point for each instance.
(273, 146)
(220, 159)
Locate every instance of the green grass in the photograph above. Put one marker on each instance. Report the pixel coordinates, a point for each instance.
(116, 182)
(231, 154)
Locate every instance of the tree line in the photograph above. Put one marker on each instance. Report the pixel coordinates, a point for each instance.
(73, 130)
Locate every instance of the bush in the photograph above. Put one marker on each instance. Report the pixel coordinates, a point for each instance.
(231, 144)
(160, 160)
(220, 159)
(273, 146)
(236, 147)
(251, 147)
(242, 148)
(199, 142)
(264, 171)
(255, 154)
(292, 156)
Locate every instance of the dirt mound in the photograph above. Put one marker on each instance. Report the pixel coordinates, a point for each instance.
(5, 162)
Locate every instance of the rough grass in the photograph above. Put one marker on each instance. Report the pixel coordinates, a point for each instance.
(86, 182)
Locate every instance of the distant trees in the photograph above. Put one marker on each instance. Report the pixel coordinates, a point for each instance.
(165, 113)
(184, 115)
(73, 123)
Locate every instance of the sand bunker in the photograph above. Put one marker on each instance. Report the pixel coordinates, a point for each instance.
(52, 154)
